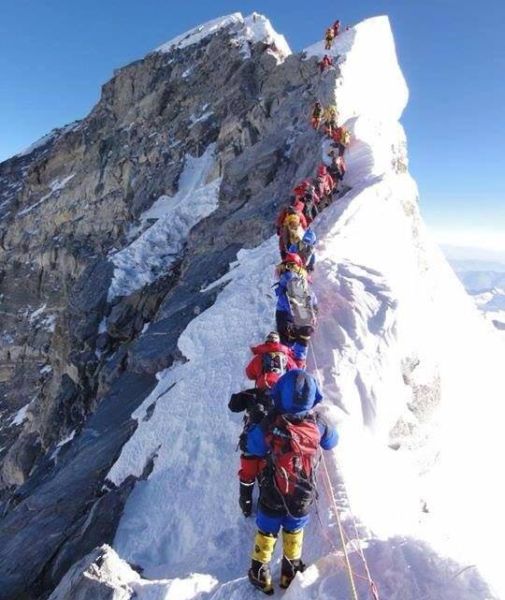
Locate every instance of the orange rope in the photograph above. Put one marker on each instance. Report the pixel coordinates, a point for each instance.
(357, 542)
(350, 573)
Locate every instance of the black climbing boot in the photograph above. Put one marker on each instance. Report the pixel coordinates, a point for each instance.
(289, 569)
(245, 498)
(260, 576)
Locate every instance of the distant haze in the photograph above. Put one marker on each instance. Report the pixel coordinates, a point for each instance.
(482, 258)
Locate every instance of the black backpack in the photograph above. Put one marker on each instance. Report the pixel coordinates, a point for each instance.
(274, 362)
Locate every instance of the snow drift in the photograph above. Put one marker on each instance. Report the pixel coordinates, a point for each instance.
(410, 371)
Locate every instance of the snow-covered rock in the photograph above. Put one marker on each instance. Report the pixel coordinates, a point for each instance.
(154, 251)
(253, 29)
(100, 575)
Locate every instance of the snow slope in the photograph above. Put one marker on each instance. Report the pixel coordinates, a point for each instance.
(252, 29)
(405, 360)
(154, 251)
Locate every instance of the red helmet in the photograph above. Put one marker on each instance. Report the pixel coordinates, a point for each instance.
(322, 170)
(293, 258)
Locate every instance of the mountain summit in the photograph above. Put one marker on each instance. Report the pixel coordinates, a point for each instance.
(138, 250)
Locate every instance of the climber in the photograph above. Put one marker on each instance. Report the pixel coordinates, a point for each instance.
(290, 267)
(329, 36)
(291, 224)
(325, 63)
(296, 308)
(337, 168)
(256, 405)
(324, 185)
(330, 119)
(287, 493)
(296, 204)
(341, 139)
(336, 28)
(300, 189)
(306, 250)
(317, 113)
(311, 203)
(306, 193)
(271, 360)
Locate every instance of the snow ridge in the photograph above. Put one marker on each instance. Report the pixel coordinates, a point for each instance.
(252, 29)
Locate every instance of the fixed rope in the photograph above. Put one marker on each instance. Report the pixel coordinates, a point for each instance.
(350, 573)
(343, 537)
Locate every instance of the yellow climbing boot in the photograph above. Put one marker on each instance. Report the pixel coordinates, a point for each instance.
(292, 542)
(259, 574)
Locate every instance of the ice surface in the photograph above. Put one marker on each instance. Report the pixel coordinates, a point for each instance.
(155, 250)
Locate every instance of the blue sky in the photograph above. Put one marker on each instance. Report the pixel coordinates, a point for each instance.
(55, 54)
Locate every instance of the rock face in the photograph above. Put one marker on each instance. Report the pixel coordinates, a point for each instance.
(98, 576)
(74, 361)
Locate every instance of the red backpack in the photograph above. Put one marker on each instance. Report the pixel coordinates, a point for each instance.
(288, 483)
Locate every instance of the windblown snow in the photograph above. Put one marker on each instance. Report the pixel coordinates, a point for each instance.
(154, 251)
(409, 369)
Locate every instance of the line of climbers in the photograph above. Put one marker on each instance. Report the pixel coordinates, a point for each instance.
(331, 33)
(282, 434)
(339, 135)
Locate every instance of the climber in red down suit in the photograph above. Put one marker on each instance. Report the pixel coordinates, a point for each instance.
(271, 360)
